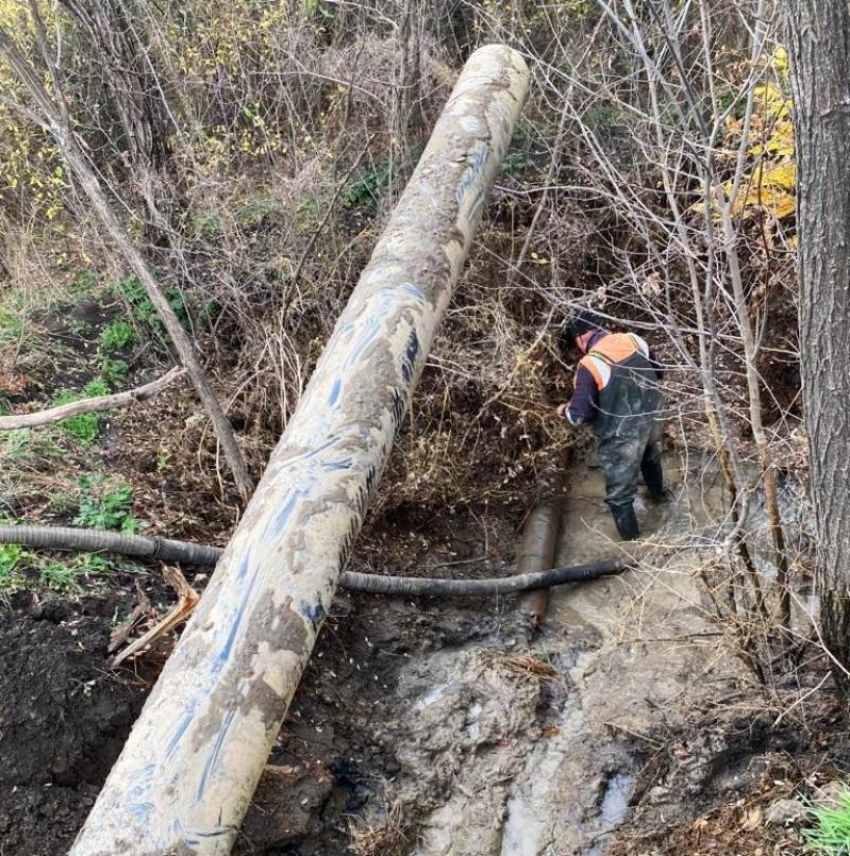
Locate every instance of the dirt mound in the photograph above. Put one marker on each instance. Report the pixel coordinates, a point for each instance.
(64, 716)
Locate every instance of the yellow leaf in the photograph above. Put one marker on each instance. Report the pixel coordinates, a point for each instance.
(783, 175)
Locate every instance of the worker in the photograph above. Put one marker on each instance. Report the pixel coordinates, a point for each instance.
(616, 391)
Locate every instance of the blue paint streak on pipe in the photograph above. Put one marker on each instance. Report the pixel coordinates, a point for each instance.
(410, 356)
(334, 466)
(224, 654)
(411, 290)
(174, 742)
(367, 335)
(334, 396)
(213, 760)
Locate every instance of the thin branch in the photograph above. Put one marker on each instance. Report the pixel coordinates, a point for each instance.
(91, 405)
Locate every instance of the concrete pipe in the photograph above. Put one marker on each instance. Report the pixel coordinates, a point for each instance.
(191, 764)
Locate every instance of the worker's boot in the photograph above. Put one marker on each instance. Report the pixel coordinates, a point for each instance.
(625, 521)
(653, 475)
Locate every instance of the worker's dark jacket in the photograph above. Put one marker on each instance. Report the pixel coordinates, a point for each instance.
(617, 391)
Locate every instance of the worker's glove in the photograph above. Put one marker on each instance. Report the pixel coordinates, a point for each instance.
(562, 411)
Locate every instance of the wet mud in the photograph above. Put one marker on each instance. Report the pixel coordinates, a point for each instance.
(425, 727)
(64, 716)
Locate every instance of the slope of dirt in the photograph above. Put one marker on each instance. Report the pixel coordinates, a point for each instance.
(65, 713)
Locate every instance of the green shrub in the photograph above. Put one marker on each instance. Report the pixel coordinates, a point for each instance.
(79, 327)
(314, 204)
(85, 282)
(114, 372)
(603, 117)
(515, 164)
(84, 426)
(116, 336)
(144, 310)
(62, 578)
(105, 507)
(17, 444)
(209, 227)
(10, 559)
(67, 577)
(830, 832)
(254, 213)
(11, 326)
(367, 186)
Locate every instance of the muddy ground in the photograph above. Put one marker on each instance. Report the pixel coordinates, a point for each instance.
(427, 727)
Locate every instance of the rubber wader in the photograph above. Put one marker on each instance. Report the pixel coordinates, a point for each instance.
(628, 432)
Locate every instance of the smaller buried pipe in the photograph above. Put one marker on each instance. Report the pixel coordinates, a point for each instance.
(536, 554)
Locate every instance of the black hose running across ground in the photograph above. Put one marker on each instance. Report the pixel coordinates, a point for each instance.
(143, 547)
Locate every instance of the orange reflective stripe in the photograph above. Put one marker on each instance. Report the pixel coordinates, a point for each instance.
(608, 351)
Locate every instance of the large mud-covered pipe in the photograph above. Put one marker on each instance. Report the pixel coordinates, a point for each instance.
(191, 764)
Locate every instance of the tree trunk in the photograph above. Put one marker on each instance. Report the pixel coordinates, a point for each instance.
(138, 98)
(128, 76)
(819, 48)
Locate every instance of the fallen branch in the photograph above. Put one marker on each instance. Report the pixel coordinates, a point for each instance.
(91, 405)
(143, 609)
(187, 600)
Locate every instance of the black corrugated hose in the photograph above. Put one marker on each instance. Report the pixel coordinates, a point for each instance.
(143, 547)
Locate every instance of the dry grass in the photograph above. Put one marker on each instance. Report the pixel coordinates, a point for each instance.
(390, 838)
(528, 667)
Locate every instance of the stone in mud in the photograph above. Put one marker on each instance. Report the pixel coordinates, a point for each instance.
(785, 813)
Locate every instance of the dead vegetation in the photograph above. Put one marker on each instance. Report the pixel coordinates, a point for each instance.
(528, 667)
(391, 838)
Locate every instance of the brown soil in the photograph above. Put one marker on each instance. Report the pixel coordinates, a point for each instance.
(708, 789)
(64, 716)
(413, 714)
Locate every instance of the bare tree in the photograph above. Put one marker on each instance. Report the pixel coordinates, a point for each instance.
(819, 47)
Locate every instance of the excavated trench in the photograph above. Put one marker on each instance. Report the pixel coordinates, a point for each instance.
(552, 762)
(422, 726)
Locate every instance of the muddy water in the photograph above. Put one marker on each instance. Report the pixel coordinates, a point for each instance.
(528, 765)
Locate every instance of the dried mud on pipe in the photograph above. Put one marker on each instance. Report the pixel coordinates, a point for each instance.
(189, 770)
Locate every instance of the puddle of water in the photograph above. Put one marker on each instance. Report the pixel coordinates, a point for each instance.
(613, 808)
(523, 829)
(615, 803)
(433, 695)
(532, 807)
(473, 728)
